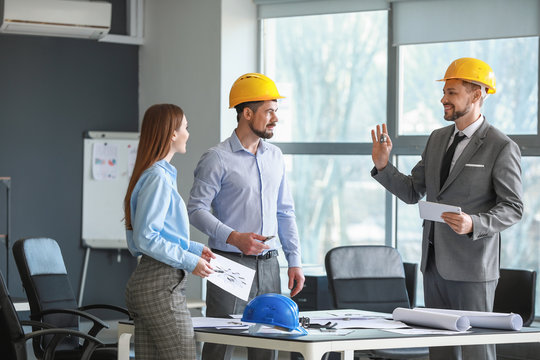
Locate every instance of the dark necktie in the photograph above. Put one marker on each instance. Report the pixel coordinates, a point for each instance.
(447, 159)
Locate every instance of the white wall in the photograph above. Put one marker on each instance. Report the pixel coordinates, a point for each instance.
(239, 35)
(193, 50)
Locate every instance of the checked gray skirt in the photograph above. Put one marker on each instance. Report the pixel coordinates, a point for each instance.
(156, 300)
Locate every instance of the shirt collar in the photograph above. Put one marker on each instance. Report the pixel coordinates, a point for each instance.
(471, 129)
(167, 166)
(236, 145)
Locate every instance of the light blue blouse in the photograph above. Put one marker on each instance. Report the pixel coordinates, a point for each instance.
(160, 221)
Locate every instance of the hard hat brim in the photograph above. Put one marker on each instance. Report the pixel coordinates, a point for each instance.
(490, 90)
(249, 99)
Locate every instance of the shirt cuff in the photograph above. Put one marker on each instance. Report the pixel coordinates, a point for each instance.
(222, 233)
(191, 261)
(195, 248)
(294, 261)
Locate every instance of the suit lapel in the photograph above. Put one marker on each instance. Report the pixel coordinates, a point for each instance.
(472, 147)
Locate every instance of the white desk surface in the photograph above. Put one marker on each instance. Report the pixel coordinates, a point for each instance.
(313, 347)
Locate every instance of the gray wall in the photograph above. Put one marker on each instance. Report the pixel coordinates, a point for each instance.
(51, 91)
(58, 88)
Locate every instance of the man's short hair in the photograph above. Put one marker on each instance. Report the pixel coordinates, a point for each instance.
(252, 105)
(470, 87)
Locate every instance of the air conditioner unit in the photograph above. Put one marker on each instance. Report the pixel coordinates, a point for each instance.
(80, 19)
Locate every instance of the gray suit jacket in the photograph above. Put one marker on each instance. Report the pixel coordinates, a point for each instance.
(485, 182)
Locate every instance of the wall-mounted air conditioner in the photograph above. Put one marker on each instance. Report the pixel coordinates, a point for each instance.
(80, 19)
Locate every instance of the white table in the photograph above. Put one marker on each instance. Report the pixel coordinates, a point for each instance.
(313, 347)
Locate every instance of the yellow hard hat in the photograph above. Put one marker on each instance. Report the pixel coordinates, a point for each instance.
(473, 70)
(253, 87)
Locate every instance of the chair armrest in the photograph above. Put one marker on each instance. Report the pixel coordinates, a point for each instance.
(37, 324)
(59, 335)
(98, 323)
(106, 306)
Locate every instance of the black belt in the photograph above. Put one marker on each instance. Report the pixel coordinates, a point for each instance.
(268, 255)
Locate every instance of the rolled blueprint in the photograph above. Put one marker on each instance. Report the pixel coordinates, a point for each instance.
(490, 320)
(431, 319)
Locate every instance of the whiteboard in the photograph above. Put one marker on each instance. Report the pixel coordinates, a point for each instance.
(103, 197)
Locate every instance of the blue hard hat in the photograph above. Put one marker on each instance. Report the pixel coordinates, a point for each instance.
(273, 310)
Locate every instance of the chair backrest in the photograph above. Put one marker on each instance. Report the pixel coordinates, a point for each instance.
(45, 280)
(411, 275)
(516, 292)
(366, 277)
(12, 341)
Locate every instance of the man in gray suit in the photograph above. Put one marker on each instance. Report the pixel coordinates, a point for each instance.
(472, 165)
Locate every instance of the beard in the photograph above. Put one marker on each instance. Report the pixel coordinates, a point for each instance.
(264, 134)
(457, 114)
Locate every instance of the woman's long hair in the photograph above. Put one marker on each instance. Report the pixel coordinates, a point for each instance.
(157, 129)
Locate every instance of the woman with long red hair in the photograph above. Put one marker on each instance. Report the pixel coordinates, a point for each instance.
(157, 229)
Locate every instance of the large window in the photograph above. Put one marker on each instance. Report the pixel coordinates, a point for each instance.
(329, 211)
(513, 109)
(521, 243)
(341, 79)
(332, 69)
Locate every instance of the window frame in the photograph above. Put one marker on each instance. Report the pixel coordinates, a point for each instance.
(402, 144)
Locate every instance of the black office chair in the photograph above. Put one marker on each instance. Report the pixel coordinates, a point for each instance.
(370, 278)
(51, 298)
(13, 339)
(411, 275)
(516, 293)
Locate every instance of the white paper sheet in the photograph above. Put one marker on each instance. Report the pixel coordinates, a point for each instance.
(219, 323)
(339, 332)
(433, 211)
(271, 330)
(359, 323)
(344, 313)
(132, 157)
(422, 331)
(231, 276)
(490, 320)
(104, 161)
